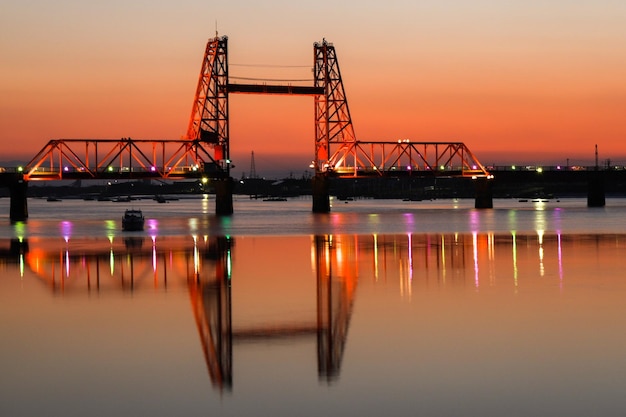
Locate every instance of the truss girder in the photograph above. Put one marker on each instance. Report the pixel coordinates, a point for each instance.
(412, 158)
(108, 158)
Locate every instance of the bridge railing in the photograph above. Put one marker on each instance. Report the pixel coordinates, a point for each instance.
(550, 168)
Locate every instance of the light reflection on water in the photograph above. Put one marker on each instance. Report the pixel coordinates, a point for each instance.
(469, 322)
(252, 217)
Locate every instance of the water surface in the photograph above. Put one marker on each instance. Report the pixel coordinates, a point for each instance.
(376, 308)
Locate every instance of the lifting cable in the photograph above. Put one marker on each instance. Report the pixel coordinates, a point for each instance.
(272, 79)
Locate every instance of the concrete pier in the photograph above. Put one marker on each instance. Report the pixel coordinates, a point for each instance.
(321, 195)
(224, 196)
(483, 193)
(595, 189)
(19, 206)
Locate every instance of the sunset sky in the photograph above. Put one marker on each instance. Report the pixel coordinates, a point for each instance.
(519, 81)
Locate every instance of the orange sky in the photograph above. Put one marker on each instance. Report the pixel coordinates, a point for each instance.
(517, 81)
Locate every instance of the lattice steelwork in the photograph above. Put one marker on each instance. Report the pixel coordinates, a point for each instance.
(119, 158)
(407, 158)
(208, 124)
(333, 123)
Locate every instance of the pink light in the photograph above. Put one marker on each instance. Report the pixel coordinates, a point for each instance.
(153, 169)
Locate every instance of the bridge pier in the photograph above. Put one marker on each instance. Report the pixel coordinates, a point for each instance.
(19, 206)
(321, 196)
(595, 189)
(483, 193)
(224, 196)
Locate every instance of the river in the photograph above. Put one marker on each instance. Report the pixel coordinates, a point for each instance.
(379, 307)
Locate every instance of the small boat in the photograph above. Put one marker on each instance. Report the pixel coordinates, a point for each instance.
(53, 199)
(275, 199)
(132, 220)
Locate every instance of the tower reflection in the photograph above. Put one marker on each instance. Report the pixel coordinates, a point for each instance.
(336, 283)
(204, 265)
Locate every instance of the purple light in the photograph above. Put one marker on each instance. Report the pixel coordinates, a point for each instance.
(153, 169)
(408, 168)
(66, 169)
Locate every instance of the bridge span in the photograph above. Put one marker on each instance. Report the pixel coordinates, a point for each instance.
(204, 151)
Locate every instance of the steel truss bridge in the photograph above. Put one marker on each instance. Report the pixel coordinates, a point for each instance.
(204, 151)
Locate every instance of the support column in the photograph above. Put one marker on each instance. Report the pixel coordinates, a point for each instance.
(224, 196)
(483, 193)
(595, 189)
(321, 197)
(18, 206)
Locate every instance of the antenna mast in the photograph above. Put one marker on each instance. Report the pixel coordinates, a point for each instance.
(252, 166)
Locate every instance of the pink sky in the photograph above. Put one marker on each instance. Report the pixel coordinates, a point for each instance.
(519, 81)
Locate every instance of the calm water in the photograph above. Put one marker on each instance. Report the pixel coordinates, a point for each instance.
(378, 308)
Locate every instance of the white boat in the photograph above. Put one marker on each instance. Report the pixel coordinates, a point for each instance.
(132, 220)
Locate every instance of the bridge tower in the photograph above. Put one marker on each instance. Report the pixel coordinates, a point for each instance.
(208, 124)
(333, 123)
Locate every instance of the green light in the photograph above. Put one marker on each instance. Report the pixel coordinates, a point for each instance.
(110, 169)
(513, 167)
(20, 169)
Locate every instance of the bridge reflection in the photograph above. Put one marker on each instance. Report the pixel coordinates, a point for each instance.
(205, 267)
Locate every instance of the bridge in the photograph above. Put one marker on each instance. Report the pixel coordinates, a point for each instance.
(204, 151)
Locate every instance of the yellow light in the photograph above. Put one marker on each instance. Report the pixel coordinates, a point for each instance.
(540, 170)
